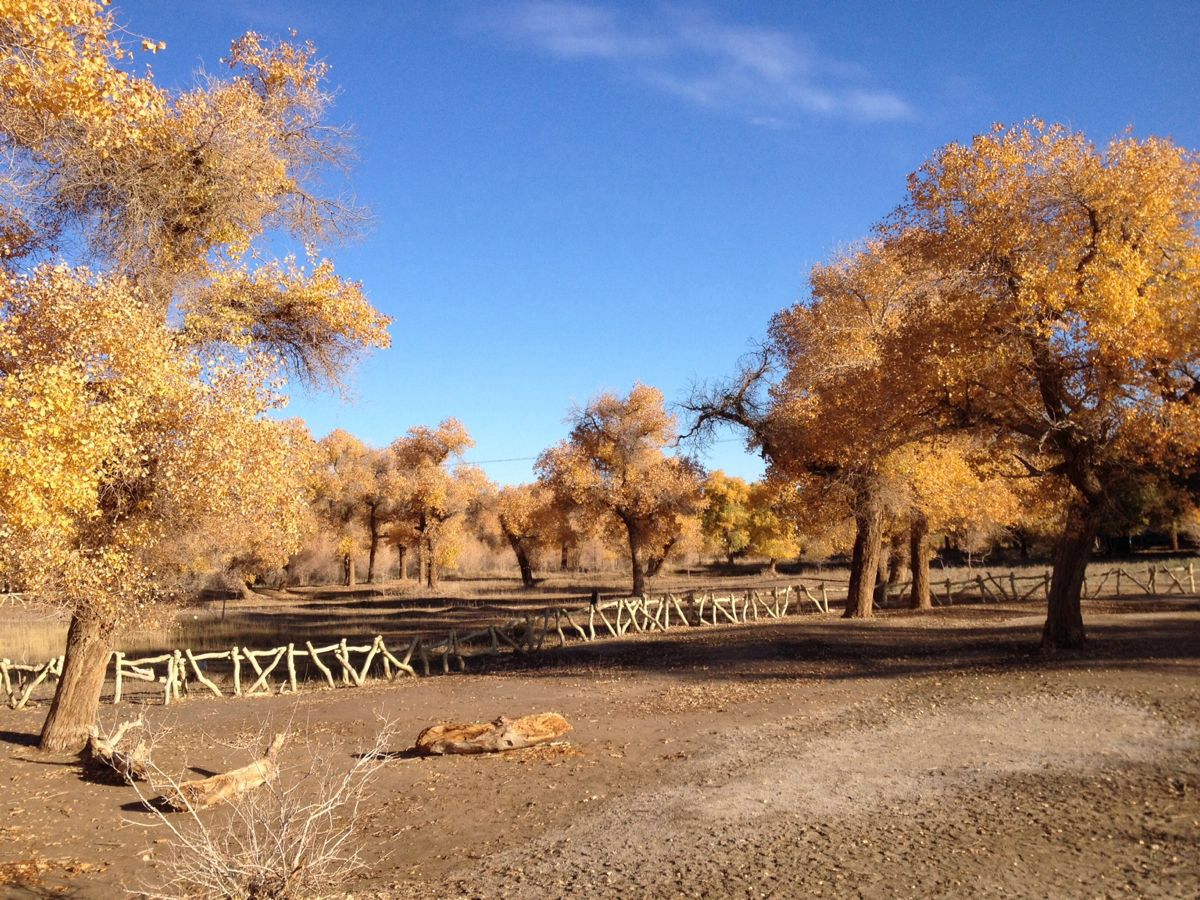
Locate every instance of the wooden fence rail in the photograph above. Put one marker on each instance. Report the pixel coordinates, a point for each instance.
(276, 670)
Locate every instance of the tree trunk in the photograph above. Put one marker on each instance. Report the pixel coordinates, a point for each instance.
(864, 563)
(889, 568)
(401, 553)
(638, 569)
(77, 699)
(771, 566)
(656, 562)
(373, 532)
(348, 570)
(1064, 617)
(564, 556)
(244, 589)
(518, 548)
(431, 567)
(918, 562)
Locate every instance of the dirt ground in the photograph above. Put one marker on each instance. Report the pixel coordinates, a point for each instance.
(909, 756)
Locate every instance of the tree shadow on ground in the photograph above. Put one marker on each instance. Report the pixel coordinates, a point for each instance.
(20, 738)
(831, 650)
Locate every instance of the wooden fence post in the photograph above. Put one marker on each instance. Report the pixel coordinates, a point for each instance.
(118, 675)
(236, 657)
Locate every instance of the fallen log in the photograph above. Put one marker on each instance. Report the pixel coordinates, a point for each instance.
(103, 761)
(206, 792)
(492, 737)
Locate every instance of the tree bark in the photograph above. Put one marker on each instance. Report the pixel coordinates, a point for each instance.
(864, 563)
(1064, 616)
(523, 563)
(77, 698)
(348, 570)
(918, 562)
(771, 570)
(564, 556)
(401, 553)
(431, 567)
(373, 532)
(638, 568)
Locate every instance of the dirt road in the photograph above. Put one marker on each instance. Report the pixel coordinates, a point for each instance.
(911, 756)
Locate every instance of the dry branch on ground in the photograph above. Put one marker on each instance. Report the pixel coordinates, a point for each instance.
(491, 737)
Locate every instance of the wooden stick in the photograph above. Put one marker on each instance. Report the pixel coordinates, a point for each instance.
(118, 659)
(607, 624)
(324, 669)
(236, 657)
(583, 634)
(403, 667)
(371, 654)
(29, 688)
(293, 682)
(264, 674)
(200, 676)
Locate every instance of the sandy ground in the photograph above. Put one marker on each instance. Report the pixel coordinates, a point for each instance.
(911, 756)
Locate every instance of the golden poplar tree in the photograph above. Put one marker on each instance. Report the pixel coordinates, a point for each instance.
(144, 362)
(1065, 318)
(433, 492)
(612, 465)
(725, 519)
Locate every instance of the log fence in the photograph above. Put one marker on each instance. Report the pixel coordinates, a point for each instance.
(249, 673)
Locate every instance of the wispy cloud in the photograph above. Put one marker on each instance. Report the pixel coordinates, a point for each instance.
(766, 75)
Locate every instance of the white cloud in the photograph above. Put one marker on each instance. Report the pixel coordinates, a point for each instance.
(763, 74)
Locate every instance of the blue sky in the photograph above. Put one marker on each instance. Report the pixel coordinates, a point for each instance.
(571, 197)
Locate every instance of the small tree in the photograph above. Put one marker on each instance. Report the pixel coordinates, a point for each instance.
(433, 492)
(613, 465)
(725, 520)
(523, 517)
(356, 496)
(771, 532)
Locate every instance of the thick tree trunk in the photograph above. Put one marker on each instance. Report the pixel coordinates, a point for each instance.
(523, 563)
(864, 563)
(349, 577)
(1064, 617)
(889, 568)
(771, 566)
(244, 589)
(373, 532)
(564, 556)
(77, 699)
(637, 566)
(431, 567)
(401, 553)
(918, 562)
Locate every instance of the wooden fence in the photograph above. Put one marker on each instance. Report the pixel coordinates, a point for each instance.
(1010, 587)
(251, 672)
(277, 670)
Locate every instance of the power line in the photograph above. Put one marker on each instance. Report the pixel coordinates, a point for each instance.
(488, 462)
